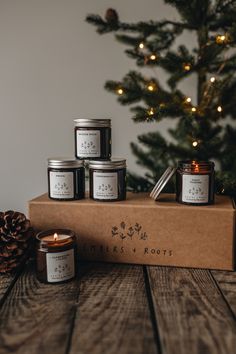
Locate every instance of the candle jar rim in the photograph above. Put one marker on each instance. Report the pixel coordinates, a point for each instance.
(112, 164)
(64, 163)
(92, 123)
(41, 234)
(189, 164)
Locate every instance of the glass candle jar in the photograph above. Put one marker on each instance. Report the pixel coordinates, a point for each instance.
(56, 255)
(66, 179)
(92, 138)
(107, 180)
(195, 182)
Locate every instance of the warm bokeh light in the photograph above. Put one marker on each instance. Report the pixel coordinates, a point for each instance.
(153, 57)
(151, 111)
(187, 67)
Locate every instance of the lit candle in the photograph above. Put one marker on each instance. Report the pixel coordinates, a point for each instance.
(56, 237)
(195, 182)
(56, 256)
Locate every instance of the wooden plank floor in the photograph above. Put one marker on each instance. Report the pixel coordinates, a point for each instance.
(121, 309)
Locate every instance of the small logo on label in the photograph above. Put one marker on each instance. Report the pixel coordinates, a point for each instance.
(125, 231)
(61, 186)
(105, 187)
(87, 145)
(196, 191)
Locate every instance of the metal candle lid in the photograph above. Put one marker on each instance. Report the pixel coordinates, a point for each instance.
(64, 162)
(164, 179)
(92, 123)
(112, 164)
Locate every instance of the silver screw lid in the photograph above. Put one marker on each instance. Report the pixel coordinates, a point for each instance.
(64, 162)
(164, 179)
(92, 123)
(111, 164)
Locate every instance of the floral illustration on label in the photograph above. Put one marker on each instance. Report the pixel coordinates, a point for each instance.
(196, 191)
(105, 185)
(88, 143)
(60, 266)
(61, 185)
(195, 188)
(125, 231)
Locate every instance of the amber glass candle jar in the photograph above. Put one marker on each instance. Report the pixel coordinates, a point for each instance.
(195, 182)
(92, 139)
(56, 255)
(107, 180)
(66, 179)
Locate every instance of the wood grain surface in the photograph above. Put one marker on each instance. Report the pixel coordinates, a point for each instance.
(191, 313)
(121, 309)
(113, 312)
(36, 317)
(226, 282)
(7, 281)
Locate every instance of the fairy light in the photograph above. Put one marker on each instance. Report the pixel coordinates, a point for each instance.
(221, 38)
(195, 143)
(150, 87)
(212, 79)
(151, 111)
(188, 99)
(120, 91)
(141, 45)
(219, 109)
(187, 67)
(193, 109)
(153, 57)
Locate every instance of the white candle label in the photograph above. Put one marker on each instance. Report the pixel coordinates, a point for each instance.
(88, 143)
(60, 266)
(195, 188)
(61, 185)
(105, 185)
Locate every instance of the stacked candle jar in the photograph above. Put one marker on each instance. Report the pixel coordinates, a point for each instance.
(107, 175)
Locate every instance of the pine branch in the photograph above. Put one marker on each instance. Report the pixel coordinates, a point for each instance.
(193, 12)
(226, 184)
(138, 184)
(200, 133)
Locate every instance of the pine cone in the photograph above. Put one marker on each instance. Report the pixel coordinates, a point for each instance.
(15, 239)
(112, 16)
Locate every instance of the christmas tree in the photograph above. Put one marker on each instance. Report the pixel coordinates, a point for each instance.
(204, 131)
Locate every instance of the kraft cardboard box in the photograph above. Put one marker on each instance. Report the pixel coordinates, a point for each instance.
(142, 231)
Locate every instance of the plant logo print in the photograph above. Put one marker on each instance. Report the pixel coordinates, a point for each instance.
(87, 145)
(125, 231)
(61, 186)
(195, 191)
(62, 268)
(105, 188)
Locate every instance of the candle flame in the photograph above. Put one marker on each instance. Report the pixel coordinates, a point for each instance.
(196, 167)
(55, 236)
